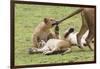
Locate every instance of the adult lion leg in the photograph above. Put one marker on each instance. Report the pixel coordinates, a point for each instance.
(83, 29)
(89, 39)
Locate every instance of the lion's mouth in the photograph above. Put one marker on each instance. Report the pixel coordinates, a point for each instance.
(55, 23)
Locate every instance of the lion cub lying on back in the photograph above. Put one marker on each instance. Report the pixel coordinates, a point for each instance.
(43, 32)
(56, 45)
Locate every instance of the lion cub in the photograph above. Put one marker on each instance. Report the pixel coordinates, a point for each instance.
(43, 32)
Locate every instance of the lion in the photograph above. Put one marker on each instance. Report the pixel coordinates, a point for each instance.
(88, 23)
(43, 32)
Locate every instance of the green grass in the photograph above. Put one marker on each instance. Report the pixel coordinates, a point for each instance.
(27, 17)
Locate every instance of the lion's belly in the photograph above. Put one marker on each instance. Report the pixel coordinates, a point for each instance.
(43, 36)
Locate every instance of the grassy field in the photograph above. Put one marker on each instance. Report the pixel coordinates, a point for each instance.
(27, 17)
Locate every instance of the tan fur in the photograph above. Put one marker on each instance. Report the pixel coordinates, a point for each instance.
(88, 23)
(43, 32)
(64, 45)
(55, 45)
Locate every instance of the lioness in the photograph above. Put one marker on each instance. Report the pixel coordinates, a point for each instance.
(88, 23)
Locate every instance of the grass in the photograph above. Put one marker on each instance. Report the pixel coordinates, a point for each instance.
(27, 17)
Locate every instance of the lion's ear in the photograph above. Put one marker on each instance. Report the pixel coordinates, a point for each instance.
(46, 20)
